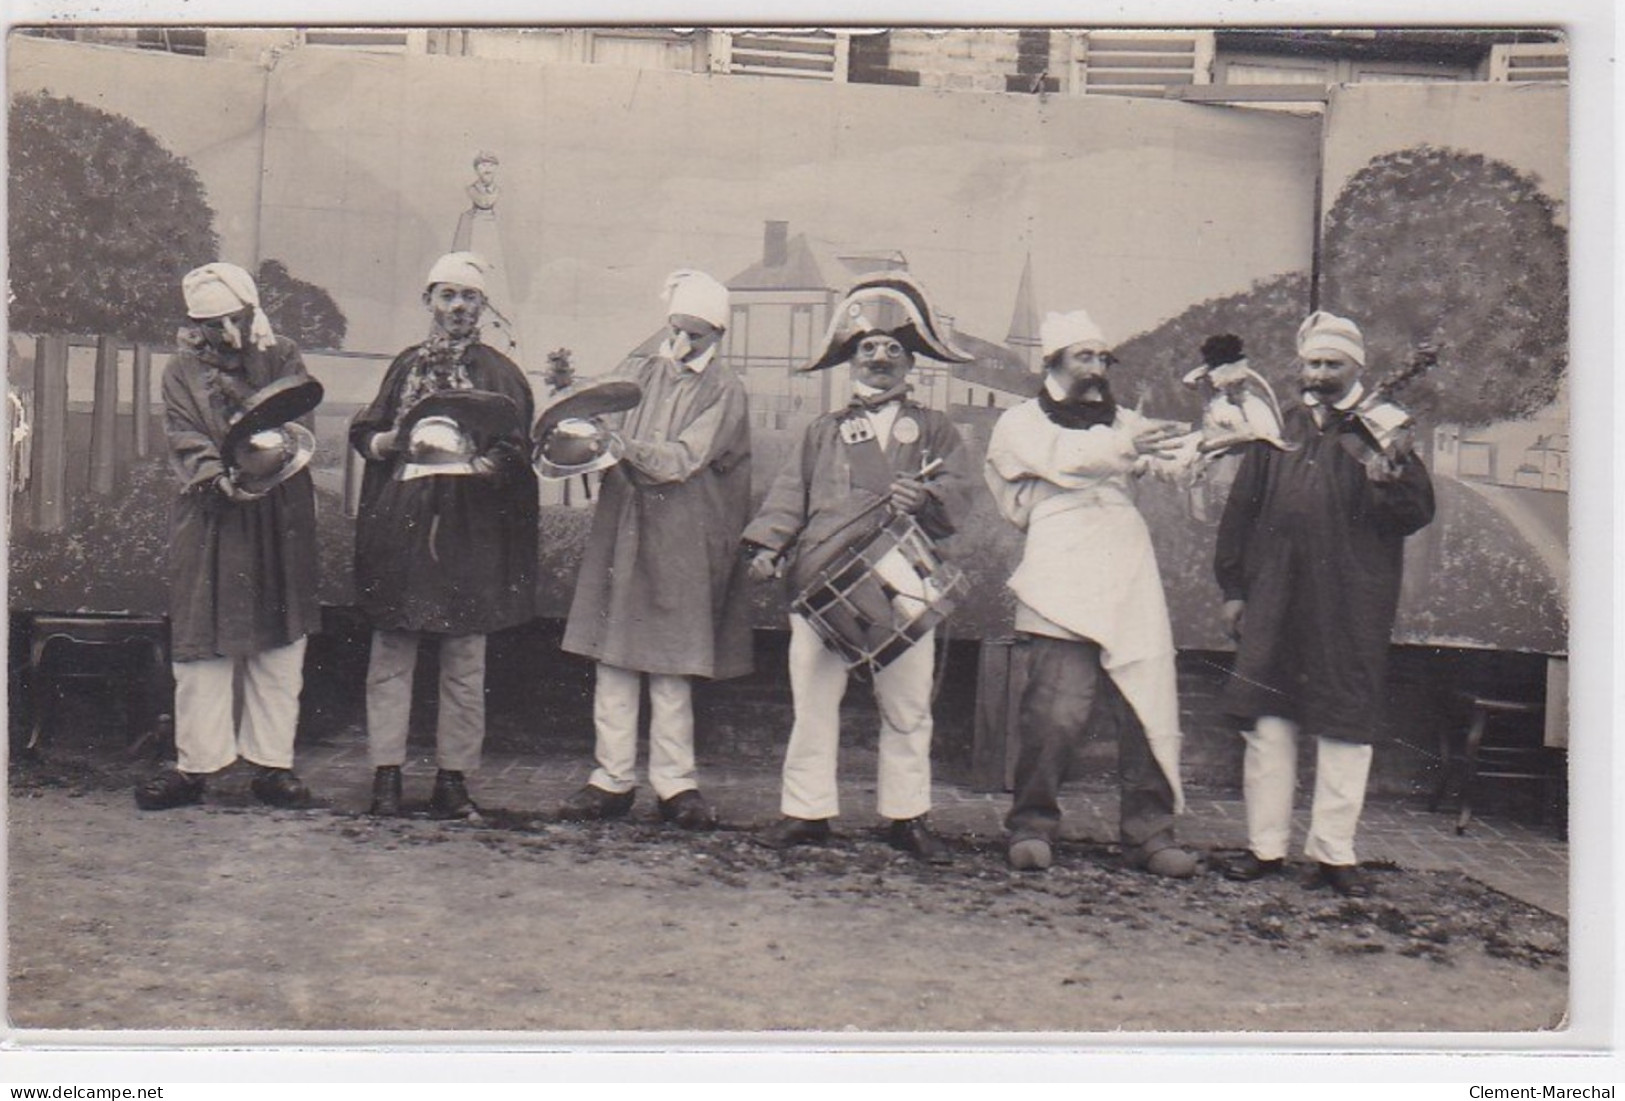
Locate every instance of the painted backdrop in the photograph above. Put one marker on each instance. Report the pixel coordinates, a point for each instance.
(1168, 221)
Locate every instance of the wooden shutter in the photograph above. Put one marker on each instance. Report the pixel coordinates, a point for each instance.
(1529, 62)
(813, 55)
(1140, 63)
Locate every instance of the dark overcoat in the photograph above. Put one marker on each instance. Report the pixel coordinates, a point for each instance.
(448, 554)
(1316, 549)
(242, 573)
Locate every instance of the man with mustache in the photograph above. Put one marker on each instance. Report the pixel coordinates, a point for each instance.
(443, 551)
(852, 469)
(661, 591)
(1089, 599)
(1309, 555)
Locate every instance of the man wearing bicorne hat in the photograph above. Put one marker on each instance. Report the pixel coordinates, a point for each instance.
(661, 588)
(242, 542)
(852, 470)
(1090, 606)
(1309, 556)
(445, 533)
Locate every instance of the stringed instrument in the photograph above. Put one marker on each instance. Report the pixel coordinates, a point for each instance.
(1388, 423)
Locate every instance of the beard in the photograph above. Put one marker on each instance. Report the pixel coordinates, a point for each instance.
(1088, 403)
(1089, 391)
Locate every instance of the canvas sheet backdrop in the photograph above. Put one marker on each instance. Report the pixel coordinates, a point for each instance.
(1161, 218)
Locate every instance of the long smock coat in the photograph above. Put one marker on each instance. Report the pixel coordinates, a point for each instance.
(242, 574)
(448, 554)
(662, 585)
(808, 514)
(1316, 550)
(1088, 565)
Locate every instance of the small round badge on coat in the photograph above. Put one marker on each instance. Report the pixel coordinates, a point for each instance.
(906, 430)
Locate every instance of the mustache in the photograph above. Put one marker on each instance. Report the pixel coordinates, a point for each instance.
(1320, 386)
(1089, 389)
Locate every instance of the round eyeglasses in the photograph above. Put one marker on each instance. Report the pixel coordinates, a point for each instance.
(875, 347)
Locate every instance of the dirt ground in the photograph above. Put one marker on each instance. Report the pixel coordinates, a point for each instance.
(232, 916)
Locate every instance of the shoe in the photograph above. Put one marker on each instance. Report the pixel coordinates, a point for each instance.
(386, 792)
(1170, 863)
(788, 832)
(173, 788)
(913, 835)
(1030, 854)
(1346, 879)
(1248, 867)
(688, 810)
(279, 787)
(450, 798)
(593, 803)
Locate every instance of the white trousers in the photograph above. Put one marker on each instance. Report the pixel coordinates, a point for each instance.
(206, 740)
(1270, 776)
(818, 679)
(616, 700)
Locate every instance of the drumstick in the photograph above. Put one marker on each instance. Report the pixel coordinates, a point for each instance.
(925, 472)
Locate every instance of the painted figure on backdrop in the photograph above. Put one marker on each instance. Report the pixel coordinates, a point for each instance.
(854, 472)
(1090, 605)
(661, 589)
(242, 545)
(479, 232)
(1309, 557)
(1238, 406)
(446, 531)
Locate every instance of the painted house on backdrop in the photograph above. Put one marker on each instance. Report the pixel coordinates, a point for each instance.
(781, 307)
(784, 297)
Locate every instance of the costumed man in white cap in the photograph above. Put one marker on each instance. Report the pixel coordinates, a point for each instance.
(445, 533)
(242, 542)
(1309, 556)
(881, 449)
(662, 588)
(1090, 606)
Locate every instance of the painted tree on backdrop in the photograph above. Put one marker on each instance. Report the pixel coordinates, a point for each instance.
(1466, 252)
(299, 310)
(103, 222)
(1424, 244)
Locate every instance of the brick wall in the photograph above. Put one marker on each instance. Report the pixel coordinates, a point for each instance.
(975, 60)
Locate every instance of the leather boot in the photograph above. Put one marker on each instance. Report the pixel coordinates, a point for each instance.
(386, 792)
(450, 798)
(279, 787)
(173, 788)
(592, 804)
(787, 832)
(913, 835)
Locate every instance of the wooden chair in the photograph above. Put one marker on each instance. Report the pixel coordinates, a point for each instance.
(1504, 742)
(130, 652)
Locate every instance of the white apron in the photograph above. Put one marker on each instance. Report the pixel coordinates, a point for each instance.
(1088, 565)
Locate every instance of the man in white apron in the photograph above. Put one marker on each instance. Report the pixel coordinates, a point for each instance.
(1090, 600)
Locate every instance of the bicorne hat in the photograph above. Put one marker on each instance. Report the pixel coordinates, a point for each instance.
(893, 303)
